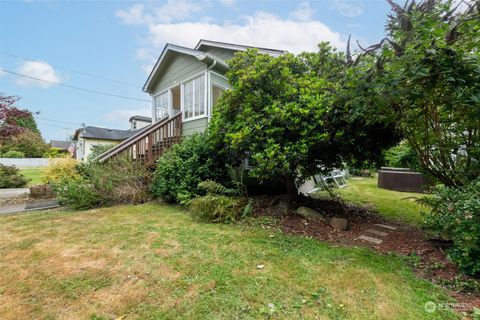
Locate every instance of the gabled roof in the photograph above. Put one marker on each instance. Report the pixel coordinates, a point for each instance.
(59, 144)
(236, 47)
(203, 56)
(103, 133)
(141, 118)
(200, 55)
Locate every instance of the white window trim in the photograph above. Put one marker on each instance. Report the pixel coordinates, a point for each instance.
(181, 84)
(205, 100)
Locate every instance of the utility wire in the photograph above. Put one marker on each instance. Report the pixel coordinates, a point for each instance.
(73, 87)
(59, 121)
(75, 71)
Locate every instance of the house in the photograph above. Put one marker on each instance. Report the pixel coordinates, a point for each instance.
(64, 147)
(184, 84)
(139, 122)
(87, 138)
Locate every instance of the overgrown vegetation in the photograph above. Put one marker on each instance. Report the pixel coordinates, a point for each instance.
(455, 215)
(98, 150)
(424, 78)
(117, 181)
(10, 177)
(181, 168)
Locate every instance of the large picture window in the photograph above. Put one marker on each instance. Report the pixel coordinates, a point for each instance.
(161, 105)
(194, 98)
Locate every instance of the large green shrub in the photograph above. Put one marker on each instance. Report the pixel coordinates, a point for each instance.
(455, 215)
(183, 167)
(13, 154)
(77, 193)
(10, 177)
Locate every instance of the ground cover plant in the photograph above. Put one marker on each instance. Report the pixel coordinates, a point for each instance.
(154, 261)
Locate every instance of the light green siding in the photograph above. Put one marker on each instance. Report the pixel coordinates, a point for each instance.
(215, 79)
(194, 126)
(181, 68)
(223, 54)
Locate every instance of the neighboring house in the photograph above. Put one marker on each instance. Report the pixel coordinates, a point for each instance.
(63, 146)
(88, 138)
(184, 84)
(139, 122)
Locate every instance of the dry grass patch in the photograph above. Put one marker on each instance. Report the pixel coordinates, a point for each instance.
(152, 261)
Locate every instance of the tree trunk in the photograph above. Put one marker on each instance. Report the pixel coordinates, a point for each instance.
(290, 185)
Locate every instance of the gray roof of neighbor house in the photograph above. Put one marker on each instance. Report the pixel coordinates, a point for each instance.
(103, 133)
(141, 118)
(60, 144)
(203, 56)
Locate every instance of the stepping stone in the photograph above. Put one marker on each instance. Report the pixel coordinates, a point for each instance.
(385, 226)
(378, 233)
(371, 239)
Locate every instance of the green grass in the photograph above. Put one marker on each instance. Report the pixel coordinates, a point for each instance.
(34, 174)
(155, 262)
(390, 204)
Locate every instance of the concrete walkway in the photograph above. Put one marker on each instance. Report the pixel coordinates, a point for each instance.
(11, 193)
(30, 206)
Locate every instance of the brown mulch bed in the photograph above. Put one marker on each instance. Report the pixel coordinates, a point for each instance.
(428, 258)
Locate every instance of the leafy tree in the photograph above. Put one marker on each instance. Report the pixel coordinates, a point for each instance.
(29, 143)
(281, 114)
(426, 81)
(14, 120)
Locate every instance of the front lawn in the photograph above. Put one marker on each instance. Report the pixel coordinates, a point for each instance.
(153, 261)
(34, 174)
(390, 204)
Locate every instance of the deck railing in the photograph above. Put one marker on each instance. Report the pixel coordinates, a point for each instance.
(149, 144)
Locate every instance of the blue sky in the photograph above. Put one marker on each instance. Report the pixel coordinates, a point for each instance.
(60, 41)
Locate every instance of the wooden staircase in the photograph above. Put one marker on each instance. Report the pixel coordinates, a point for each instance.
(148, 144)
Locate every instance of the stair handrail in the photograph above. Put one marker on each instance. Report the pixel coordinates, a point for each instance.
(133, 139)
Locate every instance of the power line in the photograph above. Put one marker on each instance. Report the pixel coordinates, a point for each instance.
(75, 71)
(73, 87)
(59, 121)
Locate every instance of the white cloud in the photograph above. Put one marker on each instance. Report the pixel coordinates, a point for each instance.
(228, 3)
(122, 115)
(347, 8)
(261, 29)
(40, 70)
(2, 73)
(303, 13)
(133, 15)
(171, 11)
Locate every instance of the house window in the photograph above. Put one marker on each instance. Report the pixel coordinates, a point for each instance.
(217, 92)
(194, 98)
(161, 105)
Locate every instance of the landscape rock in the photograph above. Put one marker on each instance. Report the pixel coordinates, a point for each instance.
(339, 224)
(309, 213)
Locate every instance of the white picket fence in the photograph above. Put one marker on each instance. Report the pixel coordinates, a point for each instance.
(25, 162)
